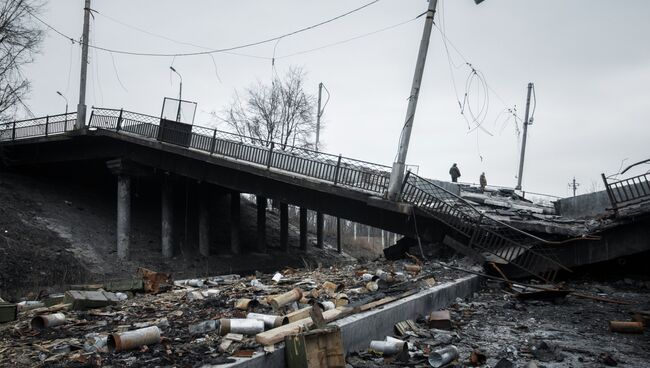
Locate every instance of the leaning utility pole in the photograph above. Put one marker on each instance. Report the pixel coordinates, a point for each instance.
(397, 174)
(81, 107)
(573, 185)
(318, 114)
(523, 142)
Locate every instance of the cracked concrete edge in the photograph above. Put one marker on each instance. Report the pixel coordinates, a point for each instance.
(358, 330)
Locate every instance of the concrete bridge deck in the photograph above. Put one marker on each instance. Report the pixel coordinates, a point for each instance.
(134, 144)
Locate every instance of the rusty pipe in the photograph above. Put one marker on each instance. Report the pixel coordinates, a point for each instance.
(283, 299)
(626, 327)
(44, 321)
(133, 339)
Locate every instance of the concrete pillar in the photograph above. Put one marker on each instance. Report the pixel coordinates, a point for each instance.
(284, 226)
(234, 222)
(320, 219)
(338, 234)
(261, 224)
(167, 217)
(123, 215)
(204, 222)
(303, 228)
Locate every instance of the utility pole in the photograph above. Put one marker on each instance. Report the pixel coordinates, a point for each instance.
(573, 185)
(397, 174)
(81, 107)
(318, 114)
(523, 142)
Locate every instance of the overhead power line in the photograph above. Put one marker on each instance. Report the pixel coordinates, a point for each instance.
(180, 54)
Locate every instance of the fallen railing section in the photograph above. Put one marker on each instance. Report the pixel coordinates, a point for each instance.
(483, 234)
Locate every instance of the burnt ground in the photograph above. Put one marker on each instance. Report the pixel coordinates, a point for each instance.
(567, 332)
(57, 229)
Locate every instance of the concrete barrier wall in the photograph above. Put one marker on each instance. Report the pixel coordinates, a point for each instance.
(592, 204)
(585, 205)
(358, 330)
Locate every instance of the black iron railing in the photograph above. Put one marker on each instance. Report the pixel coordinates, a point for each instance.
(37, 127)
(628, 191)
(338, 170)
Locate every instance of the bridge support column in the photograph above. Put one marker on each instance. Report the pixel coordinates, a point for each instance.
(204, 222)
(303, 228)
(123, 215)
(320, 219)
(167, 216)
(261, 224)
(284, 226)
(235, 211)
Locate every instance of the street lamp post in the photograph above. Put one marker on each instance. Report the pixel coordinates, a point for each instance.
(65, 119)
(180, 93)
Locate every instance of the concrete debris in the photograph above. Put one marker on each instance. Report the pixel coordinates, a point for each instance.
(81, 300)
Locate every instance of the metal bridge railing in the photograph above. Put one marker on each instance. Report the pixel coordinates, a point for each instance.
(484, 234)
(628, 191)
(37, 127)
(338, 170)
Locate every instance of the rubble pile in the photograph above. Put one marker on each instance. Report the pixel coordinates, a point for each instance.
(511, 329)
(154, 321)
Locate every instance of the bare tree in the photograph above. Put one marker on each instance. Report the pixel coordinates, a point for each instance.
(20, 38)
(281, 112)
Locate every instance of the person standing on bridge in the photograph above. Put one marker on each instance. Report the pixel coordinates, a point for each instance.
(482, 181)
(455, 173)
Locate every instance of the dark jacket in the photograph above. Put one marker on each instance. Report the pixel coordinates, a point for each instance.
(454, 172)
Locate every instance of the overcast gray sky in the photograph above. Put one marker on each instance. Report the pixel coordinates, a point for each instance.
(589, 60)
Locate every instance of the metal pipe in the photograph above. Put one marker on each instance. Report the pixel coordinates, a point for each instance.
(392, 347)
(203, 327)
(44, 321)
(286, 298)
(133, 339)
(270, 321)
(443, 356)
(240, 326)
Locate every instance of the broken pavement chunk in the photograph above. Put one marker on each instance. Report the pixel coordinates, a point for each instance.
(89, 299)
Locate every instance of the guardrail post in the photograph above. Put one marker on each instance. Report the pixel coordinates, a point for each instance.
(47, 124)
(119, 121)
(609, 192)
(13, 132)
(214, 142)
(268, 161)
(338, 169)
